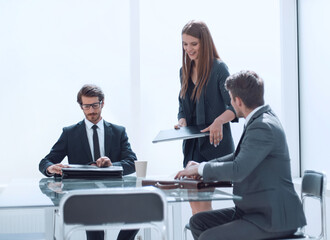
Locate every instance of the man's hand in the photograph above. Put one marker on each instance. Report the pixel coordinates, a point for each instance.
(192, 163)
(190, 171)
(56, 168)
(55, 186)
(103, 162)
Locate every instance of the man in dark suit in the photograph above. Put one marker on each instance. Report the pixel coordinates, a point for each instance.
(92, 141)
(260, 171)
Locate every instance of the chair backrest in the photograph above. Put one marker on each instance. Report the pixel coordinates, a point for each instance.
(123, 208)
(314, 185)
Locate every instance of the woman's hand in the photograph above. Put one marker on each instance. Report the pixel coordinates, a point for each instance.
(215, 130)
(182, 123)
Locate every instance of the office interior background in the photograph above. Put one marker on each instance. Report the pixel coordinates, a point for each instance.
(132, 50)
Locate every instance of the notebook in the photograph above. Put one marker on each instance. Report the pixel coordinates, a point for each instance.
(92, 172)
(181, 133)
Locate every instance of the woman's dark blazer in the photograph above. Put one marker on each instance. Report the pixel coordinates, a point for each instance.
(214, 100)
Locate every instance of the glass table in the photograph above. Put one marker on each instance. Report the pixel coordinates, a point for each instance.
(46, 193)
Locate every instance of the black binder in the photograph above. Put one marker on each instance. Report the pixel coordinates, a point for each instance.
(92, 172)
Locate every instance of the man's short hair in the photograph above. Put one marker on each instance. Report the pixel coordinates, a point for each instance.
(90, 90)
(248, 86)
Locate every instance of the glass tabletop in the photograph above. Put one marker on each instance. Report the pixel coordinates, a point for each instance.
(47, 192)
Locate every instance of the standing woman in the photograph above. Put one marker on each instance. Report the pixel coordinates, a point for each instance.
(203, 99)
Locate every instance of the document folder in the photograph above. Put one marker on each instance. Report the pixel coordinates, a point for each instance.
(92, 172)
(185, 184)
(181, 133)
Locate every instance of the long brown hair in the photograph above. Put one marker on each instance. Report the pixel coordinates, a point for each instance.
(207, 54)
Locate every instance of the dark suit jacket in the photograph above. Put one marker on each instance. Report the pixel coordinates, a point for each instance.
(213, 101)
(74, 143)
(260, 170)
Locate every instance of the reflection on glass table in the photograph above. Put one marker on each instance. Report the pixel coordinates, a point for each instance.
(55, 189)
(46, 194)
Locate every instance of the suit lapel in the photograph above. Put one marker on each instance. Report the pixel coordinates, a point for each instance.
(255, 116)
(107, 138)
(200, 116)
(239, 143)
(200, 109)
(84, 140)
(258, 113)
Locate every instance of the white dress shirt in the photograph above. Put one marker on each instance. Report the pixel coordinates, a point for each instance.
(100, 134)
(249, 116)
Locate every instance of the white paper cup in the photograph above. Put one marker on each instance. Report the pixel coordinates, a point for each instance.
(141, 168)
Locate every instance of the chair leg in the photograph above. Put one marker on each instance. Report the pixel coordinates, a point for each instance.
(185, 234)
(186, 228)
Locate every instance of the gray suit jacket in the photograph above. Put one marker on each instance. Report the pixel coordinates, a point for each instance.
(260, 170)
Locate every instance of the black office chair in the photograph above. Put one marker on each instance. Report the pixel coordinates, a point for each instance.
(313, 185)
(120, 208)
(186, 228)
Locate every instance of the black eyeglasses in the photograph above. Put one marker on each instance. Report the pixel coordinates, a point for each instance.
(93, 105)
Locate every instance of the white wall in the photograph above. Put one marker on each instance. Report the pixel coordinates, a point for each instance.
(48, 50)
(314, 64)
(289, 76)
(132, 49)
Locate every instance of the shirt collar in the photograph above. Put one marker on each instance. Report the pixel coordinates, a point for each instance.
(89, 124)
(247, 119)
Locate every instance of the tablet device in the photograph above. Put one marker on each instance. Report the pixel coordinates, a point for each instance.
(181, 133)
(92, 172)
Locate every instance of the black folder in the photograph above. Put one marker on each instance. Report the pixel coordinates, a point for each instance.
(92, 172)
(181, 133)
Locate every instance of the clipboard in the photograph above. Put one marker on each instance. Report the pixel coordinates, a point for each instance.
(180, 134)
(91, 172)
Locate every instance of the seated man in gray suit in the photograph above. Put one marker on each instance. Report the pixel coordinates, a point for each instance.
(259, 169)
(92, 141)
